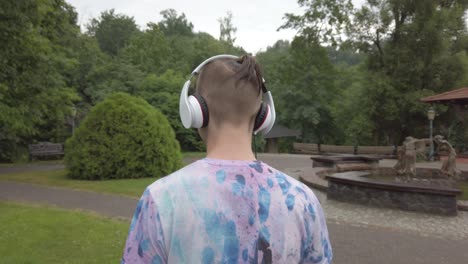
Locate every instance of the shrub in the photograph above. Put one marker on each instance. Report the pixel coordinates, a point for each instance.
(122, 137)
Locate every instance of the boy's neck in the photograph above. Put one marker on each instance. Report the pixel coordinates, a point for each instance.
(230, 144)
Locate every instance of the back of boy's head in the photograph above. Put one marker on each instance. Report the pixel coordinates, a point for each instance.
(232, 90)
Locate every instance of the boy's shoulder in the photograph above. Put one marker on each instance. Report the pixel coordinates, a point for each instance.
(175, 177)
(289, 183)
(192, 172)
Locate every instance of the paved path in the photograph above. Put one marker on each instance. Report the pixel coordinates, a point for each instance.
(105, 204)
(358, 234)
(31, 167)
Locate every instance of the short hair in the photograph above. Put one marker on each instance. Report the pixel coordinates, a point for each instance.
(232, 89)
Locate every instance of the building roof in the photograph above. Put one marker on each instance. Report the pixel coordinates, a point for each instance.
(279, 131)
(454, 96)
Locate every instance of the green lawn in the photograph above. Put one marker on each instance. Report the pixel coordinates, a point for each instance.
(32, 234)
(197, 155)
(36, 162)
(129, 187)
(464, 188)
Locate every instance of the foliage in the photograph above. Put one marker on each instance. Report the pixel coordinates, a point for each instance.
(163, 92)
(347, 107)
(323, 21)
(149, 51)
(350, 75)
(172, 24)
(41, 232)
(112, 31)
(122, 137)
(303, 80)
(227, 29)
(413, 49)
(35, 61)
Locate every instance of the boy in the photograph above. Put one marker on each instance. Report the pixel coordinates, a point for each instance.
(228, 207)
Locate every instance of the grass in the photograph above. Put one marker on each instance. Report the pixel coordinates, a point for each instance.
(464, 188)
(197, 155)
(36, 162)
(129, 187)
(35, 234)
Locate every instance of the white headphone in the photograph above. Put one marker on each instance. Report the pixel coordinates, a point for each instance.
(194, 113)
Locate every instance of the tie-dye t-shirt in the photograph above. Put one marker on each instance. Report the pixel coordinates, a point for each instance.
(220, 211)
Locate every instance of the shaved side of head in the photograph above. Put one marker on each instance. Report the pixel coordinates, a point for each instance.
(232, 90)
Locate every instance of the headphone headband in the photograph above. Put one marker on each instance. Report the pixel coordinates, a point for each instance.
(222, 56)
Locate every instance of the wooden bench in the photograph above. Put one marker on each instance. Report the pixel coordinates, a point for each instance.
(45, 149)
(337, 149)
(379, 150)
(305, 148)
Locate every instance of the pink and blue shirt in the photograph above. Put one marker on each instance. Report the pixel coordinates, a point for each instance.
(220, 211)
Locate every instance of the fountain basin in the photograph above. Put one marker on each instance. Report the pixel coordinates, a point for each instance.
(356, 187)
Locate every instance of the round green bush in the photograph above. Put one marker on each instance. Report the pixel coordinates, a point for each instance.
(122, 137)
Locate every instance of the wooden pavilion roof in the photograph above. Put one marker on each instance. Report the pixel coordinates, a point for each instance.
(458, 96)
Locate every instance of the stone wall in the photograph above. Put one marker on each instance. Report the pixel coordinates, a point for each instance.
(436, 201)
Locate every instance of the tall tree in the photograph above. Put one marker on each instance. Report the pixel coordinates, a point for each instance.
(323, 20)
(414, 48)
(112, 31)
(36, 61)
(149, 51)
(173, 24)
(301, 78)
(226, 29)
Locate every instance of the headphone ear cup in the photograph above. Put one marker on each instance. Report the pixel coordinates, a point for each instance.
(196, 112)
(204, 109)
(260, 118)
(185, 110)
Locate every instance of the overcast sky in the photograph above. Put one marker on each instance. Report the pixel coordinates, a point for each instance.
(256, 20)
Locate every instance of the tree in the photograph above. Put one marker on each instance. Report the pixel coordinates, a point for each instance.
(115, 75)
(149, 51)
(324, 20)
(36, 61)
(112, 31)
(302, 82)
(172, 24)
(226, 29)
(350, 107)
(89, 59)
(163, 93)
(413, 48)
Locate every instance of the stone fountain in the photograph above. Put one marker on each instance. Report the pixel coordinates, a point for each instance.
(429, 190)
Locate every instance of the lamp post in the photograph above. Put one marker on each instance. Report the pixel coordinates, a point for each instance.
(73, 112)
(430, 116)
